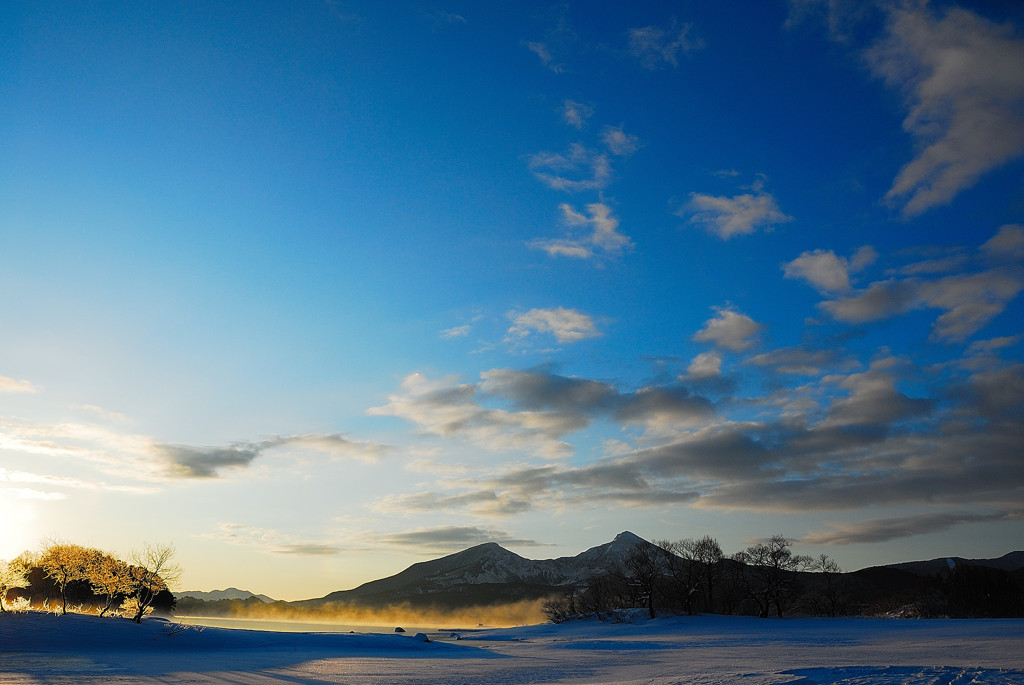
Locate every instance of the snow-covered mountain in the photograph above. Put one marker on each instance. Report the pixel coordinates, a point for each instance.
(214, 595)
(486, 573)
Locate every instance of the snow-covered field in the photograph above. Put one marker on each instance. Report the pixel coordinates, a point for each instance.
(43, 648)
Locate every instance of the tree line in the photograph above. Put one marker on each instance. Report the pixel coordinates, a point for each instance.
(692, 576)
(90, 578)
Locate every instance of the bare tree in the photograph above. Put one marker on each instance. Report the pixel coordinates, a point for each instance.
(152, 570)
(831, 574)
(602, 595)
(770, 572)
(644, 569)
(684, 569)
(709, 554)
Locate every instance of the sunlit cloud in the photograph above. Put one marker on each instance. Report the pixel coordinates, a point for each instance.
(705, 365)
(448, 408)
(484, 503)
(969, 297)
(10, 385)
(125, 455)
(741, 214)
(69, 483)
(827, 272)
(731, 330)
(105, 413)
(32, 493)
(511, 409)
(549, 487)
(186, 461)
(307, 549)
(796, 360)
(968, 301)
(450, 538)
(141, 458)
(335, 445)
(964, 88)
(851, 436)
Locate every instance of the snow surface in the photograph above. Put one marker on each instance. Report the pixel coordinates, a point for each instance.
(44, 648)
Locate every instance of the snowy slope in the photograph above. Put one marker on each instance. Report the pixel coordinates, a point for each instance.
(706, 650)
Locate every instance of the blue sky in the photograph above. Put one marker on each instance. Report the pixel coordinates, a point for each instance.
(318, 290)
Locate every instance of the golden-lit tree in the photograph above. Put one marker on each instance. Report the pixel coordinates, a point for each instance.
(109, 577)
(13, 574)
(65, 563)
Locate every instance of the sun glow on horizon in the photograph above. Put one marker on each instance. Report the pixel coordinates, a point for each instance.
(20, 533)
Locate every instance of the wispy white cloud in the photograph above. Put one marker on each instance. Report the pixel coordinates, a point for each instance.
(619, 142)
(542, 51)
(964, 87)
(270, 540)
(655, 47)
(567, 325)
(602, 237)
(443, 17)
(576, 114)
(737, 215)
(579, 168)
(456, 331)
(105, 413)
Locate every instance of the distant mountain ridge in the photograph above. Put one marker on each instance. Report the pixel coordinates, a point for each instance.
(1011, 561)
(489, 574)
(485, 574)
(228, 593)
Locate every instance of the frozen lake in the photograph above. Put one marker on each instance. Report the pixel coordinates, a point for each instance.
(313, 626)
